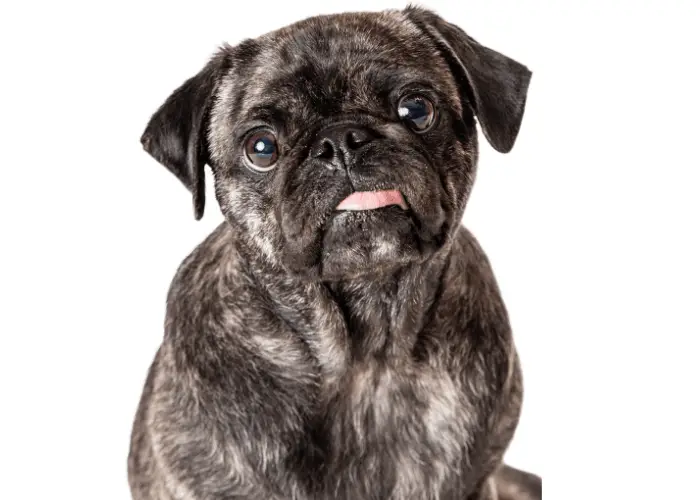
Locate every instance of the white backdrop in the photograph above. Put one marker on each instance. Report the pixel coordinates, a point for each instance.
(591, 224)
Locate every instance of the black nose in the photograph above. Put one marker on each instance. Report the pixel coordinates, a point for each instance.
(338, 145)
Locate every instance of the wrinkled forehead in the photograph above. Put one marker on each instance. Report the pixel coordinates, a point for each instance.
(331, 65)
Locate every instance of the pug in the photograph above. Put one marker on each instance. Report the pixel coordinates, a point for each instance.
(341, 335)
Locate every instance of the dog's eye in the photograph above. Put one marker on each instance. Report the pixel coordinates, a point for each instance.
(261, 150)
(417, 111)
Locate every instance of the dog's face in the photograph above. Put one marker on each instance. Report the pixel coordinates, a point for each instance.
(342, 145)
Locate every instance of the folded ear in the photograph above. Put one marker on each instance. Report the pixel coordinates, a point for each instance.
(176, 135)
(494, 85)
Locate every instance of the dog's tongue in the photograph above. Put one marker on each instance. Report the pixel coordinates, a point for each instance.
(369, 200)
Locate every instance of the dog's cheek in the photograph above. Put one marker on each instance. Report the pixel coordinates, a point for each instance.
(299, 216)
(458, 164)
(245, 209)
(461, 177)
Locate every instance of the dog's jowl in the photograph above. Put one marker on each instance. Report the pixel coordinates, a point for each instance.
(341, 334)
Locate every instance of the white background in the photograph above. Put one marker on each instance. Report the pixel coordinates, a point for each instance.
(591, 224)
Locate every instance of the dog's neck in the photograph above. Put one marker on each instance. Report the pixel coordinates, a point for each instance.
(350, 321)
(383, 315)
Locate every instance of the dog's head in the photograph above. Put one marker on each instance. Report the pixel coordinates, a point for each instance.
(342, 145)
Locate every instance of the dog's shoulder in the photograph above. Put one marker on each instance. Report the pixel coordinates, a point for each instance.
(471, 309)
(469, 272)
(203, 267)
(221, 317)
(213, 288)
(208, 301)
(217, 362)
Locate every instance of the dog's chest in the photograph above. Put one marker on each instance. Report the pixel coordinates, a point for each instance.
(400, 431)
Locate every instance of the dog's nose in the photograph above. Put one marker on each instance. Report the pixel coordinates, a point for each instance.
(336, 146)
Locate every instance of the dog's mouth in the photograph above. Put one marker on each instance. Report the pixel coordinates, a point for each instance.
(371, 200)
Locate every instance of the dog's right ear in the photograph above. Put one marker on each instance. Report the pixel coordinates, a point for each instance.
(494, 85)
(176, 135)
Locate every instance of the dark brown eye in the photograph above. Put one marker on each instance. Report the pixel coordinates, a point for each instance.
(417, 111)
(261, 150)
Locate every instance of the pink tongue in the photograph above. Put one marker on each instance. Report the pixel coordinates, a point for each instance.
(368, 200)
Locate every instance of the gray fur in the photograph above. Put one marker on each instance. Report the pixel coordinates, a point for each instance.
(316, 355)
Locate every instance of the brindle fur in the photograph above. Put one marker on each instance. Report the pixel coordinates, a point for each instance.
(310, 355)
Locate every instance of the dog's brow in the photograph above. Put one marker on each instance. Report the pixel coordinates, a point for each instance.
(268, 113)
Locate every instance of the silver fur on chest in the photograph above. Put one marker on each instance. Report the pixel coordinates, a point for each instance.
(407, 422)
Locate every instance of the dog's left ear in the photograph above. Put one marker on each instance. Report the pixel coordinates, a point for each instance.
(176, 135)
(495, 86)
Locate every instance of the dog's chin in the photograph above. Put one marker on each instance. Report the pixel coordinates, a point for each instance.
(370, 243)
(350, 244)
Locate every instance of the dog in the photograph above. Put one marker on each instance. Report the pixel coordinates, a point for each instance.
(341, 335)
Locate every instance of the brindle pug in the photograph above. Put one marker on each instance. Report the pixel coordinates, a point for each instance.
(341, 335)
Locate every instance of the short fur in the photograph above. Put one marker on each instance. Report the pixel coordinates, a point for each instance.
(310, 354)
